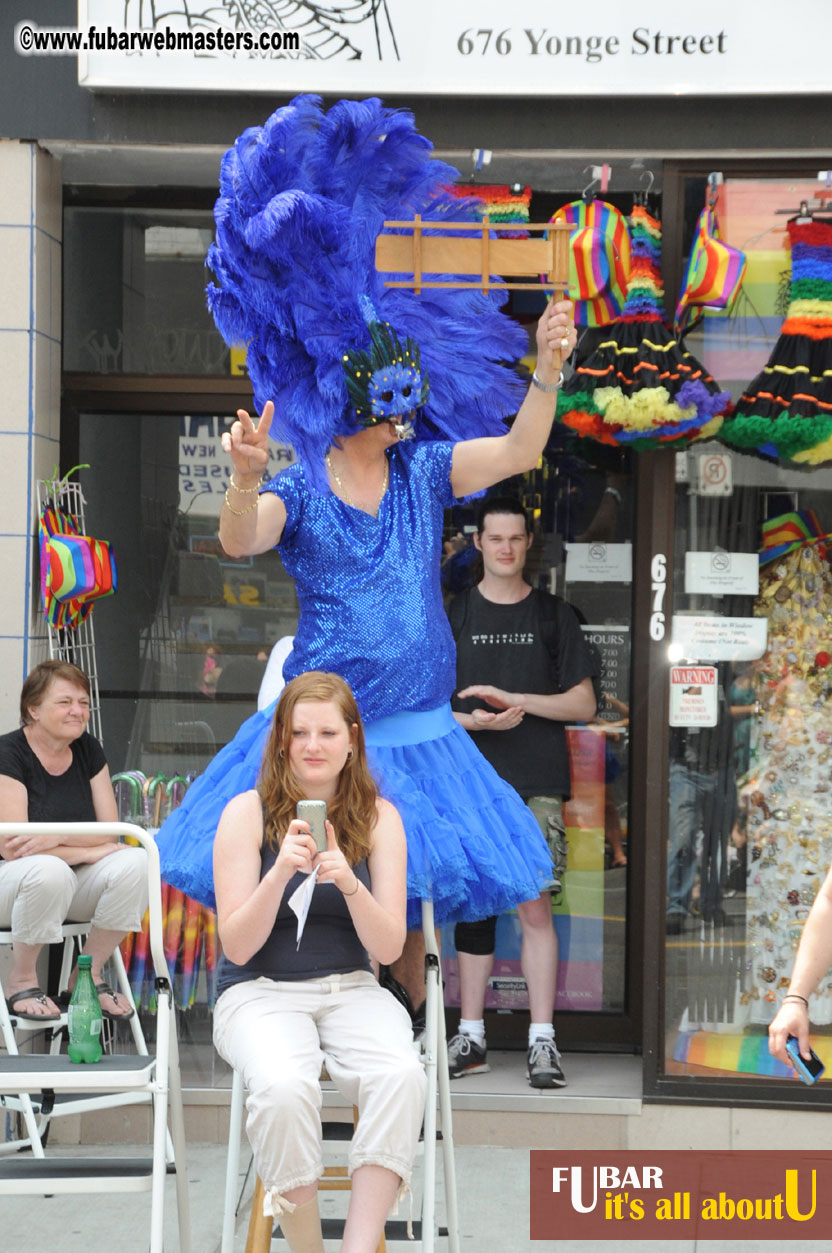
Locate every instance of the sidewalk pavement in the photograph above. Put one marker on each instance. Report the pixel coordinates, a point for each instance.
(493, 1185)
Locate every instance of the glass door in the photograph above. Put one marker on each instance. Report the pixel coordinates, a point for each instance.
(750, 815)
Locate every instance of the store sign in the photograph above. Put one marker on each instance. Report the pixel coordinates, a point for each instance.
(613, 650)
(469, 47)
(693, 696)
(599, 563)
(722, 574)
(718, 639)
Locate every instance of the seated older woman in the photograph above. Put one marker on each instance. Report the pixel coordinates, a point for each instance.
(52, 770)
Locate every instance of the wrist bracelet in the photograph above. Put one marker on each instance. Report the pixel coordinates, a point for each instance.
(238, 513)
(244, 491)
(547, 387)
(795, 996)
(355, 889)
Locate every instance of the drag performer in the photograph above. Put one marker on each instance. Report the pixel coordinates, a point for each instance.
(346, 371)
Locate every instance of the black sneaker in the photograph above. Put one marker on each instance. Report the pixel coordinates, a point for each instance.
(543, 1064)
(466, 1056)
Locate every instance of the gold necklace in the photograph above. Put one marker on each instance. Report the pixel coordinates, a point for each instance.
(345, 494)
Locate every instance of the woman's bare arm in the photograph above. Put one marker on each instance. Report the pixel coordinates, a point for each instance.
(250, 523)
(479, 463)
(74, 849)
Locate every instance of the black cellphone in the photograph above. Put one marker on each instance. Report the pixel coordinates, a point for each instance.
(314, 812)
(809, 1071)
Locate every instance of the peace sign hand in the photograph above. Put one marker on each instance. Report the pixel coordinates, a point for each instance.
(247, 444)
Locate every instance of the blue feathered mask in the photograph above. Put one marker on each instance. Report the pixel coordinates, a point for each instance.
(302, 200)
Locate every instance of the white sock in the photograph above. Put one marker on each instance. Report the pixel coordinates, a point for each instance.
(475, 1028)
(540, 1031)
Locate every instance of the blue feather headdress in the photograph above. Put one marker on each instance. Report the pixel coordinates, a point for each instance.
(302, 200)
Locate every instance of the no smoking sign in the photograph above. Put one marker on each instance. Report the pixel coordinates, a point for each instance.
(715, 477)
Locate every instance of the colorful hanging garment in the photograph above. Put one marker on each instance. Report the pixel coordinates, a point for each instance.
(641, 386)
(500, 204)
(713, 275)
(786, 412)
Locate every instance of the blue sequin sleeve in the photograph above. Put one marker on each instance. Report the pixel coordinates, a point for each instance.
(432, 460)
(288, 487)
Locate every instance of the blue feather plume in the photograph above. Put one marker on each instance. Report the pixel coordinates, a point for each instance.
(302, 200)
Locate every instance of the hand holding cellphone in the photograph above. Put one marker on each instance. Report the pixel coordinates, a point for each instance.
(314, 812)
(809, 1071)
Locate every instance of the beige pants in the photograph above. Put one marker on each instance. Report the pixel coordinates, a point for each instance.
(277, 1035)
(40, 892)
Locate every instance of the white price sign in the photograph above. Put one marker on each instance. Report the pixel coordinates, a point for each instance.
(719, 639)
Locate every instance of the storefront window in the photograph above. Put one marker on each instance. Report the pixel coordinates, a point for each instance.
(134, 292)
(182, 650)
(750, 821)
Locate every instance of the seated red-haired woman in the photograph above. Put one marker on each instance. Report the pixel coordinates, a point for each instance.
(285, 1007)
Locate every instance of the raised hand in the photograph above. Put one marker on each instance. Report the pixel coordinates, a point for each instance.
(247, 444)
(556, 336)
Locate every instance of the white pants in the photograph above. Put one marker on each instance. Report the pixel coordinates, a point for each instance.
(40, 892)
(277, 1035)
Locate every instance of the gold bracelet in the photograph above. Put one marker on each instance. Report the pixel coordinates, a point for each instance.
(355, 889)
(238, 513)
(244, 491)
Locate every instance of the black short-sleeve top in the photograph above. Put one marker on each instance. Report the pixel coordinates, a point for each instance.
(63, 797)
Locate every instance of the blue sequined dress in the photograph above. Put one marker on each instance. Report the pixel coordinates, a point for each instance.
(371, 610)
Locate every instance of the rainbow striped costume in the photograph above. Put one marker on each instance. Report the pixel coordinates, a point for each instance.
(641, 386)
(786, 411)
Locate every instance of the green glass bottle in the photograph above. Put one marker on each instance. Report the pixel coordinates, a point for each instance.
(84, 1016)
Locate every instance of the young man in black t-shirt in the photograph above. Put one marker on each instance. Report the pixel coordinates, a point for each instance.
(523, 672)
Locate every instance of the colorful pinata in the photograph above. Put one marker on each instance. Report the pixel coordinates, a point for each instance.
(786, 411)
(641, 386)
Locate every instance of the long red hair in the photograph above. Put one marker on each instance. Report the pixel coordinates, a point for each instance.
(353, 813)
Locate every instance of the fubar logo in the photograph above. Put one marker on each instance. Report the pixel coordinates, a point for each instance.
(603, 1178)
(679, 1195)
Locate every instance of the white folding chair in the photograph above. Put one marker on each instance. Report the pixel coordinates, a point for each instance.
(155, 1077)
(12, 1024)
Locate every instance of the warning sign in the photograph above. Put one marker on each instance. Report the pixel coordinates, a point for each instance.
(715, 477)
(693, 696)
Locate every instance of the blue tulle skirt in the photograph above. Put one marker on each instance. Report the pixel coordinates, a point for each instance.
(473, 847)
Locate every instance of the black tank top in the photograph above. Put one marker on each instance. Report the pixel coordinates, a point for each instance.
(329, 944)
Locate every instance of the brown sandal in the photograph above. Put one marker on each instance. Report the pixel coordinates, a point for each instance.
(30, 994)
(104, 989)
